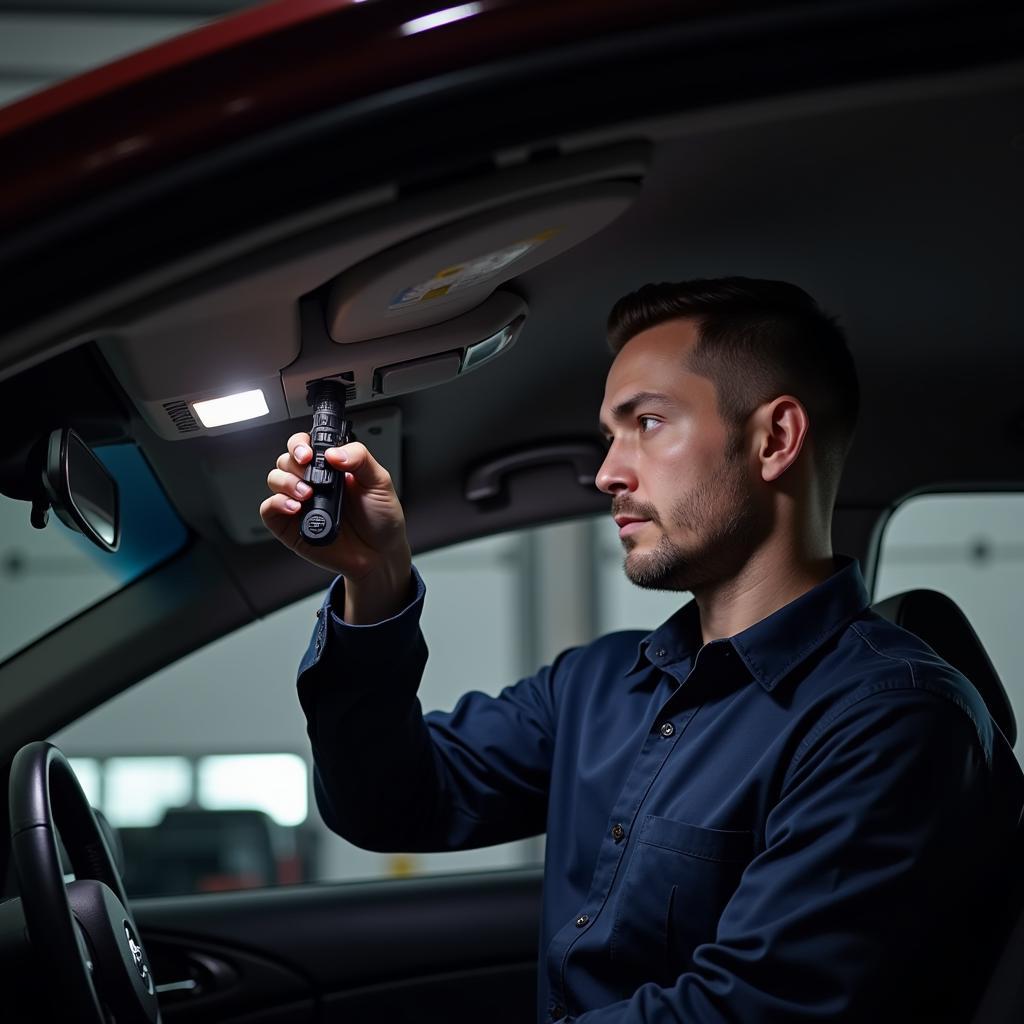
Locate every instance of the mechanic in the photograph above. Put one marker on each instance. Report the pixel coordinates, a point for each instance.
(777, 806)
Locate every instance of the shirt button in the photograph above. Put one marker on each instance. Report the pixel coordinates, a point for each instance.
(667, 729)
(618, 833)
(660, 652)
(557, 1011)
(581, 921)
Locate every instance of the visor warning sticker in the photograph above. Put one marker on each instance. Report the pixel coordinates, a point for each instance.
(466, 275)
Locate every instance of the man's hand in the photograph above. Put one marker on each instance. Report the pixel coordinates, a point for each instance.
(371, 550)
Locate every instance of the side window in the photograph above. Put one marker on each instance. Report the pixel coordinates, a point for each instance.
(204, 769)
(971, 548)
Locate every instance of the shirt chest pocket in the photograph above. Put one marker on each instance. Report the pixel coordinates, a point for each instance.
(678, 879)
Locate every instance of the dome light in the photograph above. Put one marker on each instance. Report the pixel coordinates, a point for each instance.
(246, 405)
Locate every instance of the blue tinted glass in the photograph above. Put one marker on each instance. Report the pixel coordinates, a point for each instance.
(150, 528)
(49, 576)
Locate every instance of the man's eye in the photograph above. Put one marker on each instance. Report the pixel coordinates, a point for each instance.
(643, 419)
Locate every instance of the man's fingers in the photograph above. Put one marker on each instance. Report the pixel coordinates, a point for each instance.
(276, 508)
(288, 484)
(289, 465)
(299, 449)
(354, 458)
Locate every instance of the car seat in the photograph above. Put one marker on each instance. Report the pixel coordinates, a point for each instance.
(938, 621)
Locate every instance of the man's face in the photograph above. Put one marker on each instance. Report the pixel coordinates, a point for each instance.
(674, 467)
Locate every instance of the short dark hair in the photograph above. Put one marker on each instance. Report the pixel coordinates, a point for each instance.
(756, 340)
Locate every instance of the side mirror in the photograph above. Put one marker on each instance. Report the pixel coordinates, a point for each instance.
(80, 490)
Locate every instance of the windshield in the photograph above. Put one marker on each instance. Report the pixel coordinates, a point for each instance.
(49, 576)
(46, 42)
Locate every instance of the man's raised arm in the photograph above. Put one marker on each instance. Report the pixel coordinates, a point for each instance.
(387, 777)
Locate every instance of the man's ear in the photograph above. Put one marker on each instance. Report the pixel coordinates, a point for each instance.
(781, 426)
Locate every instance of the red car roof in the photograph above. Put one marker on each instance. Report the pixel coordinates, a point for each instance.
(263, 67)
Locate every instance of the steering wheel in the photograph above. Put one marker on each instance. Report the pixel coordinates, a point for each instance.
(83, 930)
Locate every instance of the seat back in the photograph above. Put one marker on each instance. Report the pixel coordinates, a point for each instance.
(938, 621)
(1003, 999)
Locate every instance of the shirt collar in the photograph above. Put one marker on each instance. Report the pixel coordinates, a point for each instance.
(677, 638)
(776, 645)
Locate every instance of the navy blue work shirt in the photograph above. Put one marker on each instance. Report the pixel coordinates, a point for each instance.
(808, 821)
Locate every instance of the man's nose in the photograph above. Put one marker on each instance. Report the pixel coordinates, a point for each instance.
(615, 475)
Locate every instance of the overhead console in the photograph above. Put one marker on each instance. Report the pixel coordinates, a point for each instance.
(404, 297)
(433, 308)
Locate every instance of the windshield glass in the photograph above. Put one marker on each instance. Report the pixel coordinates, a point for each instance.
(49, 576)
(46, 41)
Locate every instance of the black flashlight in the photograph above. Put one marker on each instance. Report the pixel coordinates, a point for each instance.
(322, 516)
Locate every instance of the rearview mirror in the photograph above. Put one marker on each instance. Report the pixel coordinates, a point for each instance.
(81, 490)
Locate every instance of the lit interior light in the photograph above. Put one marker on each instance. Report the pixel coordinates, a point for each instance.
(246, 405)
(438, 18)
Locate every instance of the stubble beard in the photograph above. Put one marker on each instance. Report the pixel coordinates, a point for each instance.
(719, 513)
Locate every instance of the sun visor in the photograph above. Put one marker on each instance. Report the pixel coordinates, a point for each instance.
(438, 276)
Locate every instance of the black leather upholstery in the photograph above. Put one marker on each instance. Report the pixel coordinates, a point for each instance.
(1003, 1001)
(938, 621)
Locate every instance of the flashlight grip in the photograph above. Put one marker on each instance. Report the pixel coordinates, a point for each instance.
(322, 514)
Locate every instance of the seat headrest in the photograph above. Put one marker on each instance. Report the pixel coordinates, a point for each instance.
(938, 621)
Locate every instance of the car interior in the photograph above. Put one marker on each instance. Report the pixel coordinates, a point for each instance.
(448, 249)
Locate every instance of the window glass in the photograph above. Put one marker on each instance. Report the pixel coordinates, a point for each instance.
(39, 48)
(205, 767)
(971, 548)
(139, 790)
(87, 771)
(48, 576)
(276, 784)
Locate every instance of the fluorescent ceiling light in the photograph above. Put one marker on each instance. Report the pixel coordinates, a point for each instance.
(276, 784)
(439, 18)
(246, 405)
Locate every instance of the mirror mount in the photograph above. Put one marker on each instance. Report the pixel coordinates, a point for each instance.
(40, 514)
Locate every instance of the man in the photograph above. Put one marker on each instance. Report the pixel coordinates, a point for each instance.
(776, 806)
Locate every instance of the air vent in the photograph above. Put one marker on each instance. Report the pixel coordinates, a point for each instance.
(181, 416)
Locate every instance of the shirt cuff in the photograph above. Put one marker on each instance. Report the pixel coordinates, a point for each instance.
(370, 642)
(334, 606)
(361, 655)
